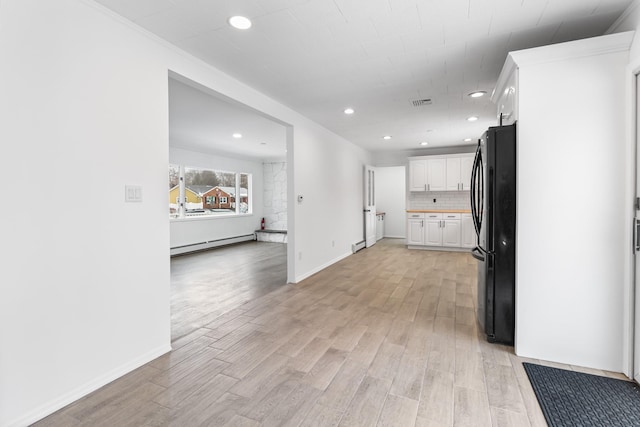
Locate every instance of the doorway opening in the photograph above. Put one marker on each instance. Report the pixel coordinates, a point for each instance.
(227, 180)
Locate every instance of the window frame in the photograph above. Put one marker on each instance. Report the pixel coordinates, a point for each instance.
(236, 212)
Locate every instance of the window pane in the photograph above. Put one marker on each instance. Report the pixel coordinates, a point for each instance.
(208, 192)
(174, 190)
(245, 186)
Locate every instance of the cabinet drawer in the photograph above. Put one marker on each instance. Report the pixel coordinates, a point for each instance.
(415, 216)
(433, 216)
(451, 216)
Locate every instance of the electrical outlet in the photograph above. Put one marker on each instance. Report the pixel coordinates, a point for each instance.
(299, 256)
(333, 243)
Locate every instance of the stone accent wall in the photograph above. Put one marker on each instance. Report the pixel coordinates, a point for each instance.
(275, 196)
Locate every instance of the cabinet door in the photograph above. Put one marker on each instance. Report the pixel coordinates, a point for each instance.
(437, 174)
(453, 174)
(379, 227)
(415, 232)
(433, 235)
(466, 164)
(468, 232)
(451, 233)
(418, 175)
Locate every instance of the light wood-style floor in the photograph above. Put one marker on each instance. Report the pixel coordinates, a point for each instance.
(386, 337)
(205, 285)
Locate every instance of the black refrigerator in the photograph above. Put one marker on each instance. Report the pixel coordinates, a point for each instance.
(493, 207)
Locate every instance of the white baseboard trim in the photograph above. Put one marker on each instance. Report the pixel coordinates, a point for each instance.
(439, 248)
(79, 392)
(320, 268)
(395, 237)
(179, 250)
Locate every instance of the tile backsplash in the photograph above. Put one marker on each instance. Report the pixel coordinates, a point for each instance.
(444, 200)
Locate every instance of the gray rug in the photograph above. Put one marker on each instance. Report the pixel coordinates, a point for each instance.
(569, 398)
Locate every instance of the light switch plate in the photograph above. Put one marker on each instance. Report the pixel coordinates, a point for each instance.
(132, 193)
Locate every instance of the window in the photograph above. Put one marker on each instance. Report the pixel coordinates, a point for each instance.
(207, 192)
(174, 190)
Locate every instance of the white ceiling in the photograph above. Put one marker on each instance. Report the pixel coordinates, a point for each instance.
(201, 122)
(321, 56)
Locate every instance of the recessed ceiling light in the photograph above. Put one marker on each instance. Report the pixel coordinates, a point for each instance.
(472, 118)
(467, 140)
(424, 143)
(477, 93)
(386, 137)
(240, 22)
(349, 111)
(263, 143)
(237, 135)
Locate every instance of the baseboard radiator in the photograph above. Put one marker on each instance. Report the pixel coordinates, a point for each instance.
(357, 246)
(202, 246)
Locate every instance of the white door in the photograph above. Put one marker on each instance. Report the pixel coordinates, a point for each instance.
(636, 328)
(369, 206)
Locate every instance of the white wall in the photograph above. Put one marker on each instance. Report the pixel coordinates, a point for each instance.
(391, 193)
(83, 109)
(329, 175)
(571, 241)
(190, 231)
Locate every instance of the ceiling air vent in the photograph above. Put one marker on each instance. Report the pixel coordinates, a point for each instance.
(421, 102)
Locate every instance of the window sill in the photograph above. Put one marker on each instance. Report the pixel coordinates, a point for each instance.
(209, 217)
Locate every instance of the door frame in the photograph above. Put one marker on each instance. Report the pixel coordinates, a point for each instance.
(369, 205)
(631, 333)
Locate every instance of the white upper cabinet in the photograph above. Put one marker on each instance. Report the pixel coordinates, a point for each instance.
(437, 174)
(466, 165)
(418, 175)
(453, 174)
(440, 173)
(459, 172)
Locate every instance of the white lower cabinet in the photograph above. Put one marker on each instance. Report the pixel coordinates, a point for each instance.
(433, 236)
(439, 229)
(451, 230)
(415, 229)
(468, 232)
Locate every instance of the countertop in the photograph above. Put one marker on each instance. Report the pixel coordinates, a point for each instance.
(464, 211)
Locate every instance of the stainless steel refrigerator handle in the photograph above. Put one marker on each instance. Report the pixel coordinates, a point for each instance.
(636, 235)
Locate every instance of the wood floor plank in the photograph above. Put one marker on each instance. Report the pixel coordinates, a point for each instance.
(437, 399)
(367, 403)
(367, 348)
(385, 364)
(471, 408)
(293, 410)
(310, 354)
(344, 386)
(325, 369)
(398, 412)
(260, 377)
